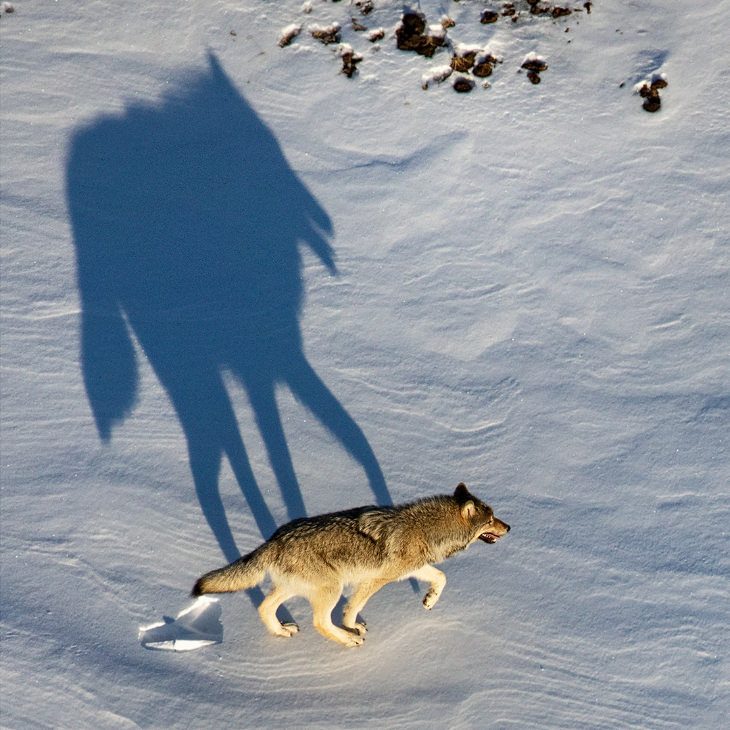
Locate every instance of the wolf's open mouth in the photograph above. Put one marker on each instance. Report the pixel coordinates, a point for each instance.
(489, 537)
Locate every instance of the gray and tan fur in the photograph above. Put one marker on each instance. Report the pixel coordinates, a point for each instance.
(316, 557)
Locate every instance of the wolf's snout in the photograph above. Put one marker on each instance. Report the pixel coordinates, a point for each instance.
(502, 527)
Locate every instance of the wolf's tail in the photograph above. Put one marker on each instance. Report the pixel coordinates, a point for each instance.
(246, 572)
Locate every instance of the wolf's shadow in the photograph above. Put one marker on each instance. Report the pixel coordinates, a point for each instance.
(187, 221)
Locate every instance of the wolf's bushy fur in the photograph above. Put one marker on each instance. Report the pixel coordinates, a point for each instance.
(316, 557)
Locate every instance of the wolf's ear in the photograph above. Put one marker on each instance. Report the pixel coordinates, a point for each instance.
(465, 501)
(461, 494)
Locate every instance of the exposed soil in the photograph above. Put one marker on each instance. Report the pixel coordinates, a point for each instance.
(414, 34)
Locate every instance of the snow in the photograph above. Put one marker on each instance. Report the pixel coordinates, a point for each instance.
(193, 628)
(226, 261)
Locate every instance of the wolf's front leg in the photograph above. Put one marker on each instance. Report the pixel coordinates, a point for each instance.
(437, 580)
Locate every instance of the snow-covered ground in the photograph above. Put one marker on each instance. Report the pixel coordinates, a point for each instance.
(225, 264)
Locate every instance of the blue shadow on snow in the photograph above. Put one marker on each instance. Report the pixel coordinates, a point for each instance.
(187, 222)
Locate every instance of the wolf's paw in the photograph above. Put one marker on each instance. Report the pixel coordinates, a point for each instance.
(286, 629)
(340, 634)
(349, 622)
(360, 627)
(354, 640)
(429, 600)
(351, 636)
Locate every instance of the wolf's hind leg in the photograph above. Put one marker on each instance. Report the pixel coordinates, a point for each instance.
(437, 580)
(323, 601)
(361, 595)
(267, 612)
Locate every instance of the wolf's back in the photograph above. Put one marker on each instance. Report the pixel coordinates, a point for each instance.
(246, 572)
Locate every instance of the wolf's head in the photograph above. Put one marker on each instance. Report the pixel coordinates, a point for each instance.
(479, 516)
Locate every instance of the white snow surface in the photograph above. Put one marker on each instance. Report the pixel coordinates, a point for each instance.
(525, 287)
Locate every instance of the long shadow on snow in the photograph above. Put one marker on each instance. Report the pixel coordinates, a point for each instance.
(187, 221)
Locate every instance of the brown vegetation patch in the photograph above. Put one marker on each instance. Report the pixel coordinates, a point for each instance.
(650, 93)
(489, 16)
(411, 36)
(535, 64)
(463, 85)
(350, 59)
(328, 35)
(463, 63)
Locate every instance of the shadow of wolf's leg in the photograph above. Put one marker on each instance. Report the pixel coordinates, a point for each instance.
(205, 466)
(314, 394)
(268, 420)
(207, 417)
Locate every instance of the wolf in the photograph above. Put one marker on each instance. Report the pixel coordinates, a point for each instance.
(315, 557)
